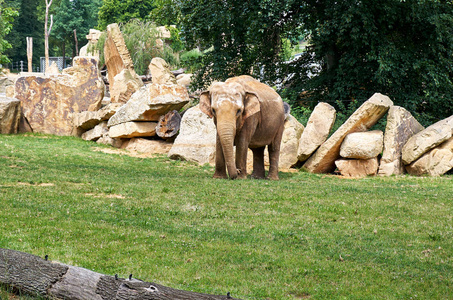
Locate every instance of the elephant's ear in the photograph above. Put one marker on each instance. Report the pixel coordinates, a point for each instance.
(205, 103)
(251, 105)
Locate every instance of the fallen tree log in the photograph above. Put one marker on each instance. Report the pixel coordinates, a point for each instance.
(168, 125)
(40, 277)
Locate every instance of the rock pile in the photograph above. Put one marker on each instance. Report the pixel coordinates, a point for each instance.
(405, 146)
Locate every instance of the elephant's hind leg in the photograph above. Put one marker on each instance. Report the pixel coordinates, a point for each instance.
(258, 163)
(274, 155)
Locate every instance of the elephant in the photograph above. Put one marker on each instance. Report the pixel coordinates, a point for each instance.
(247, 114)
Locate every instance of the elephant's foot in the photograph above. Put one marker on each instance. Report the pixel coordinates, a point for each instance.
(220, 175)
(257, 176)
(272, 177)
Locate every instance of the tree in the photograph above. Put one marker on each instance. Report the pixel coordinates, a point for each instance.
(399, 48)
(7, 15)
(47, 31)
(121, 11)
(356, 48)
(79, 15)
(243, 37)
(27, 24)
(166, 12)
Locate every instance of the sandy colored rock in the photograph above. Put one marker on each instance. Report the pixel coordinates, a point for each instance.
(357, 167)
(436, 162)
(146, 146)
(427, 139)
(5, 81)
(150, 102)
(116, 56)
(184, 80)
(125, 85)
(10, 113)
(197, 138)
(290, 143)
(89, 48)
(362, 145)
(160, 72)
(49, 103)
(401, 125)
(95, 133)
(317, 130)
(133, 129)
(88, 119)
(107, 140)
(323, 160)
(53, 69)
(9, 91)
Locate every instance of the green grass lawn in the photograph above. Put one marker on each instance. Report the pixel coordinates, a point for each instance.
(305, 236)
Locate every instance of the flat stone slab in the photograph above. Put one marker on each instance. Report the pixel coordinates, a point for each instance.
(150, 102)
(133, 129)
(317, 130)
(436, 162)
(401, 125)
(427, 139)
(368, 114)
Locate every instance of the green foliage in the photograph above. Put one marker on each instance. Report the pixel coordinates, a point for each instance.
(7, 15)
(80, 15)
(246, 36)
(166, 12)
(305, 236)
(191, 60)
(399, 48)
(122, 11)
(175, 40)
(140, 38)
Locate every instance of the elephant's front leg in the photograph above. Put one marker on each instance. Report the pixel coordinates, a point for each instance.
(241, 159)
(220, 167)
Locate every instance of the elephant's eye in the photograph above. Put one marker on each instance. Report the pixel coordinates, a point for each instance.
(238, 112)
(213, 111)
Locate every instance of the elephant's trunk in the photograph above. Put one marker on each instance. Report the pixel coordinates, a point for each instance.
(226, 132)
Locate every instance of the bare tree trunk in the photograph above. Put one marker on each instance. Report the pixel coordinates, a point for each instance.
(30, 53)
(47, 32)
(36, 276)
(76, 43)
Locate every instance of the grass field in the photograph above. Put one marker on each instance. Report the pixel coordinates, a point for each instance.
(306, 236)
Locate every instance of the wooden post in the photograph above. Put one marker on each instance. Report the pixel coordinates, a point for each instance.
(76, 43)
(47, 32)
(30, 53)
(44, 278)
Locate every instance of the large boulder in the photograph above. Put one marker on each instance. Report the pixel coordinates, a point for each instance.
(160, 72)
(116, 55)
(197, 138)
(427, 139)
(150, 102)
(357, 167)
(5, 81)
(362, 145)
(49, 103)
(323, 160)
(317, 130)
(290, 143)
(401, 125)
(9, 115)
(436, 162)
(124, 86)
